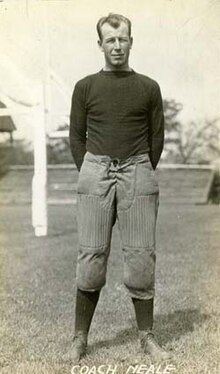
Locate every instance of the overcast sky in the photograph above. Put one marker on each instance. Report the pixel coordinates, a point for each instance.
(176, 42)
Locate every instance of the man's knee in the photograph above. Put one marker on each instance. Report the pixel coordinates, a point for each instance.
(139, 271)
(91, 267)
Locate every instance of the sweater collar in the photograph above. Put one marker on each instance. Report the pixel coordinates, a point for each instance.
(119, 73)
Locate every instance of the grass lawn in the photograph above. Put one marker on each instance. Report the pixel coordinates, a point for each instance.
(37, 293)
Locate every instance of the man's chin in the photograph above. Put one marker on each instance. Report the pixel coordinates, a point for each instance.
(117, 63)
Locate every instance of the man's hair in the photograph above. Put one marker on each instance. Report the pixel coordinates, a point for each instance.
(113, 20)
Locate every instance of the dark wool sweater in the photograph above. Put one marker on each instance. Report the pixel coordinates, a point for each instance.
(119, 114)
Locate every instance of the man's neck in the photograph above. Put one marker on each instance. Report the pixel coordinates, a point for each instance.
(107, 68)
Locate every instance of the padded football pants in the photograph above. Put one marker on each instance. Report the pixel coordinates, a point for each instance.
(126, 190)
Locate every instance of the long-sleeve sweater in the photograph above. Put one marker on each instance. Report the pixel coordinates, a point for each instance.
(119, 114)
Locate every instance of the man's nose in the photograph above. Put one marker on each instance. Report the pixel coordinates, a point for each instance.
(117, 44)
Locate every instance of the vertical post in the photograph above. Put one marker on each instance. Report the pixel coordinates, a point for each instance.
(41, 123)
(11, 137)
(39, 181)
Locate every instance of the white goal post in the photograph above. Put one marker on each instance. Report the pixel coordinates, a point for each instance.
(39, 181)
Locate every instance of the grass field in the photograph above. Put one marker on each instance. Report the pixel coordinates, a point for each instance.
(37, 294)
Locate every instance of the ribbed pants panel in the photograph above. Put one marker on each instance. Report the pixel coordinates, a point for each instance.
(94, 221)
(138, 224)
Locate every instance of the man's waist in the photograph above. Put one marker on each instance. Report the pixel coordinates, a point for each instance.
(100, 158)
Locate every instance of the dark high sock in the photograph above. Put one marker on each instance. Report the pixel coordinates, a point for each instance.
(85, 307)
(144, 313)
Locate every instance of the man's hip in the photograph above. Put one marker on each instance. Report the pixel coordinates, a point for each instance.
(125, 179)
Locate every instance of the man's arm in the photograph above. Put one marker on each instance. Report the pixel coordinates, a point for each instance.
(156, 133)
(77, 132)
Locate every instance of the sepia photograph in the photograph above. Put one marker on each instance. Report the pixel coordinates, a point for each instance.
(109, 186)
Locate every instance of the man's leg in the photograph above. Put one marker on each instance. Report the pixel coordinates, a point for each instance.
(139, 267)
(85, 307)
(144, 313)
(95, 218)
(95, 227)
(84, 310)
(137, 224)
(144, 317)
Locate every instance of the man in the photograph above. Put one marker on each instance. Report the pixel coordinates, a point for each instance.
(116, 139)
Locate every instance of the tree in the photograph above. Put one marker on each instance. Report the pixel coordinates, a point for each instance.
(192, 142)
(171, 111)
(199, 142)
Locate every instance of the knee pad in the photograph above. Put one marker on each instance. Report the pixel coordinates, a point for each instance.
(139, 271)
(91, 267)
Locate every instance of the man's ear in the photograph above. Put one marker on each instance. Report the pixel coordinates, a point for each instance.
(131, 42)
(100, 45)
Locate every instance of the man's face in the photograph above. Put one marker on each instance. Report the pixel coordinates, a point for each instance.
(116, 45)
